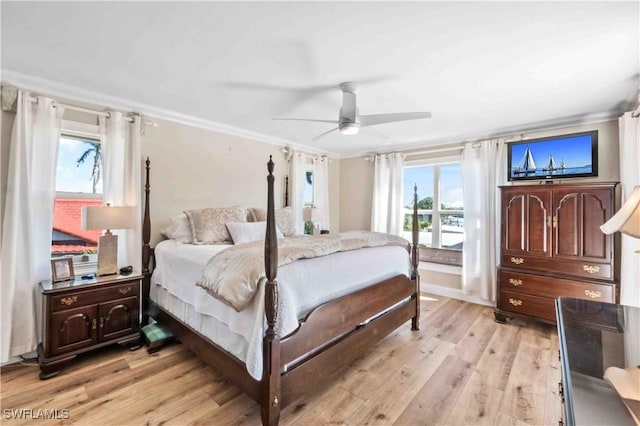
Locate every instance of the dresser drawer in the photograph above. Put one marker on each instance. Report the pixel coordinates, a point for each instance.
(88, 297)
(518, 303)
(539, 285)
(577, 268)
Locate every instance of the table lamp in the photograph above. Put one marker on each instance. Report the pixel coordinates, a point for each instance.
(627, 219)
(107, 217)
(313, 215)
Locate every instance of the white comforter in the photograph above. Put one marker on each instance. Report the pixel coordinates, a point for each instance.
(302, 286)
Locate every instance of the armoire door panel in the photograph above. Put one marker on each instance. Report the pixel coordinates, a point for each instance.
(595, 212)
(566, 225)
(537, 229)
(514, 236)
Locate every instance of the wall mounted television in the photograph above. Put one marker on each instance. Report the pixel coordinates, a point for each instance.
(557, 157)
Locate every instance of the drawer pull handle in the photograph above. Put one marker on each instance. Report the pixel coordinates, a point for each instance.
(69, 300)
(101, 322)
(93, 324)
(125, 290)
(515, 302)
(591, 269)
(594, 294)
(517, 260)
(515, 282)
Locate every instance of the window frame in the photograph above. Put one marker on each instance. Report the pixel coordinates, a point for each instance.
(436, 253)
(79, 130)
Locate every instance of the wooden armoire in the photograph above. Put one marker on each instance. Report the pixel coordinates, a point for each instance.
(552, 246)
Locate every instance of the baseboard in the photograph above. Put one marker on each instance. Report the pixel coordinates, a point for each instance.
(454, 293)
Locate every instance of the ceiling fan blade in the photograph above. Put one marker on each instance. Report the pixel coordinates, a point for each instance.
(372, 120)
(308, 119)
(324, 134)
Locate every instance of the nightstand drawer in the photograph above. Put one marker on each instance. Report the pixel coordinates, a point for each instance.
(541, 307)
(89, 297)
(543, 286)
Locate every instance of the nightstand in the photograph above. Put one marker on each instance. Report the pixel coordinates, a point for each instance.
(84, 314)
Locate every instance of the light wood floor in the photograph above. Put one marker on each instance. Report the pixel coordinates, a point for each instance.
(460, 368)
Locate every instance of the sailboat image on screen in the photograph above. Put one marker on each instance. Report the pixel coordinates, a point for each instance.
(551, 164)
(527, 165)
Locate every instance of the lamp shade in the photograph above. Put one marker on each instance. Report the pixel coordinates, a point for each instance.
(312, 214)
(108, 217)
(627, 219)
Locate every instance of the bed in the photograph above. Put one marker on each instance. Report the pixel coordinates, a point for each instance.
(299, 328)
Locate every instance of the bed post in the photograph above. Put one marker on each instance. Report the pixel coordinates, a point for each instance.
(271, 398)
(146, 249)
(415, 258)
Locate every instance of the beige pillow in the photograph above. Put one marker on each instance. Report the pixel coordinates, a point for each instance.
(178, 229)
(284, 220)
(208, 226)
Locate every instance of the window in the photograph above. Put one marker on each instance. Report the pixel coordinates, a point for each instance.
(308, 195)
(440, 209)
(78, 184)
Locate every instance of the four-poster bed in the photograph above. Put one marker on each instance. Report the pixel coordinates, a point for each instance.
(330, 336)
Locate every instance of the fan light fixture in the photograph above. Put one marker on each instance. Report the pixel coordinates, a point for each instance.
(349, 128)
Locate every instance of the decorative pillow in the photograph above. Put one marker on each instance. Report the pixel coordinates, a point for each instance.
(250, 231)
(284, 220)
(208, 225)
(178, 229)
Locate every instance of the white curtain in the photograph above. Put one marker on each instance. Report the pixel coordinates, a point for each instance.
(297, 176)
(121, 186)
(387, 209)
(483, 170)
(321, 189)
(629, 127)
(28, 218)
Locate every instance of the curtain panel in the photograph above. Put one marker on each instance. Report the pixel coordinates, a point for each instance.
(120, 141)
(629, 131)
(297, 176)
(321, 189)
(483, 170)
(28, 218)
(387, 209)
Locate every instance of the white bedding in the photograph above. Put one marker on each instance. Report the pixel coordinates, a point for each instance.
(302, 286)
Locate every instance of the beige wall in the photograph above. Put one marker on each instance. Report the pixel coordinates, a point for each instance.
(193, 167)
(356, 183)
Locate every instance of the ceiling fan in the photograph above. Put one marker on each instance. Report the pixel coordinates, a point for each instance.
(349, 121)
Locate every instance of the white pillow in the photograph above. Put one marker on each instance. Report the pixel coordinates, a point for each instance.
(245, 232)
(178, 229)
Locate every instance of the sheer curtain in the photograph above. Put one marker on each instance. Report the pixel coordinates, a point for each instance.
(629, 127)
(297, 176)
(387, 210)
(483, 170)
(121, 185)
(321, 189)
(28, 218)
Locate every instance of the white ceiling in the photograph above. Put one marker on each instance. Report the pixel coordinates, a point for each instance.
(481, 68)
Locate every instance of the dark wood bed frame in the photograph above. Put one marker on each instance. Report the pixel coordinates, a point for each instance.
(331, 336)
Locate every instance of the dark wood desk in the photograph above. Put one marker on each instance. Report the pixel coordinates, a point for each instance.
(593, 337)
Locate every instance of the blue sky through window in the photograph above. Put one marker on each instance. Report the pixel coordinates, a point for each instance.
(69, 176)
(450, 184)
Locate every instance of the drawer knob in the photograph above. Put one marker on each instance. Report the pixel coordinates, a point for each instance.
(125, 290)
(517, 260)
(591, 269)
(516, 282)
(69, 300)
(594, 294)
(515, 302)
(93, 324)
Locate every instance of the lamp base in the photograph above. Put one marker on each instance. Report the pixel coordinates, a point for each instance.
(107, 255)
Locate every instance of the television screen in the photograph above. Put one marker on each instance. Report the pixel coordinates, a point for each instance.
(557, 157)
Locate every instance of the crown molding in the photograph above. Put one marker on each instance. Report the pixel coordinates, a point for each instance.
(56, 89)
(519, 131)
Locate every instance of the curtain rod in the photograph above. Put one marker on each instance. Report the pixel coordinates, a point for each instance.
(145, 122)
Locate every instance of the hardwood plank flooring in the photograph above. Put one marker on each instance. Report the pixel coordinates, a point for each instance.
(460, 368)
